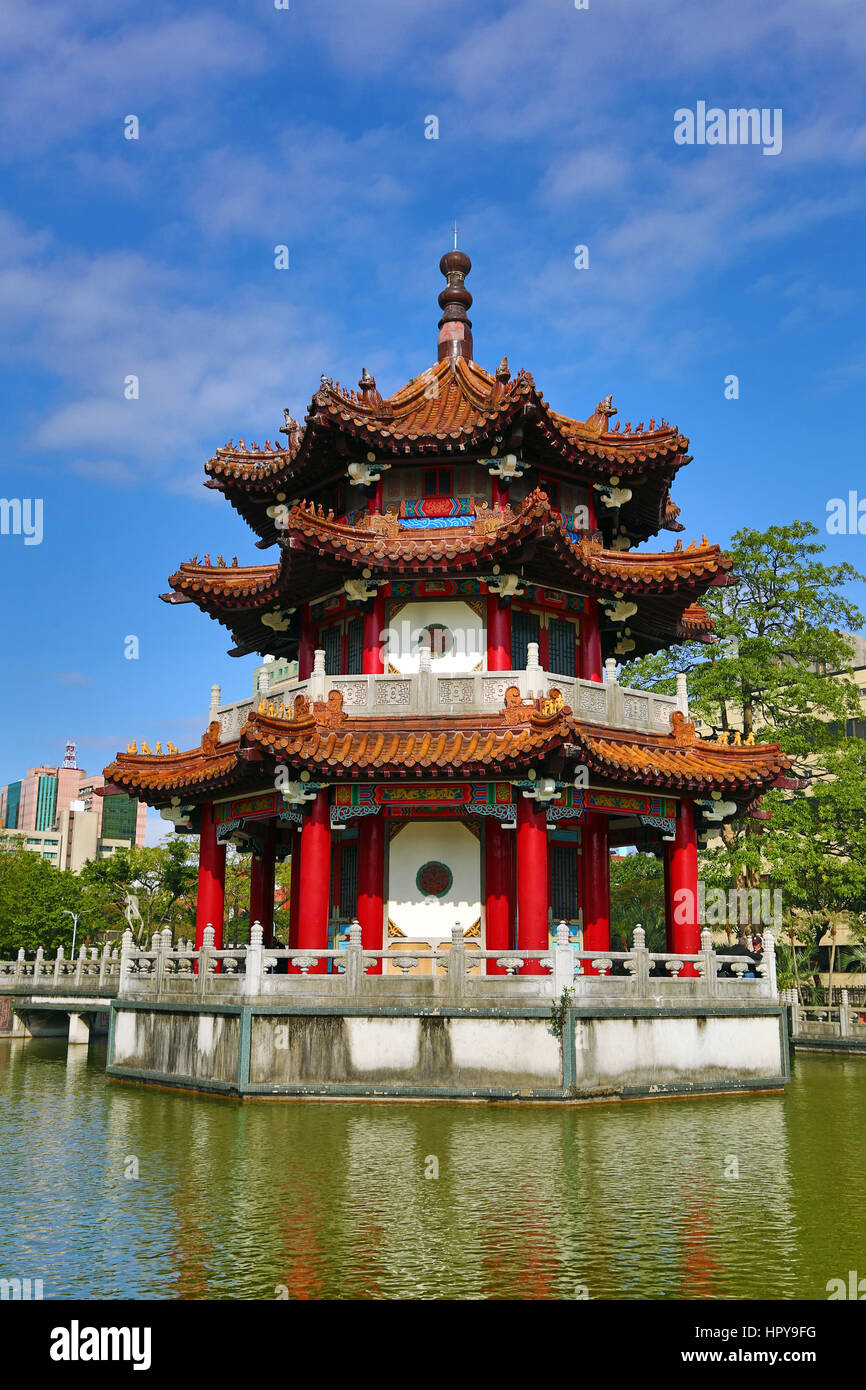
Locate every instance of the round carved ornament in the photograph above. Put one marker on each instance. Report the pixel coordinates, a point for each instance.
(433, 879)
(438, 637)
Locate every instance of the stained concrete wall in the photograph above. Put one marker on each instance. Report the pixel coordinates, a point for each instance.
(454, 1052)
(433, 1052)
(653, 1053)
(202, 1046)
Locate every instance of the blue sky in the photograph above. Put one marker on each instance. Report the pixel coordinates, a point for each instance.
(306, 127)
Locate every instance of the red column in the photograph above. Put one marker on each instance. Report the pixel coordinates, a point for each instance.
(498, 889)
(682, 905)
(373, 663)
(316, 895)
(590, 642)
(295, 888)
(532, 925)
(499, 497)
(544, 646)
(211, 880)
(262, 875)
(596, 885)
(498, 634)
(667, 851)
(374, 499)
(371, 884)
(306, 645)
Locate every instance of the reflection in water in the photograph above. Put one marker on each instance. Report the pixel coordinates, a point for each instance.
(336, 1200)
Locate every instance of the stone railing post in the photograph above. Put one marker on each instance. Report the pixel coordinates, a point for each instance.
(255, 960)
(771, 988)
(563, 962)
(795, 1015)
(58, 965)
(844, 1016)
(642, 963)
(613, 701)
(682, 694)
(318, 677)
(159, 964)
(19, 964)
(79, 966)
(534, 677)
(353, 974)
(206, 963)
(457, 965)
(37, 964)
(425, 679)
(126, 950)
(707, 966)
(104, 961)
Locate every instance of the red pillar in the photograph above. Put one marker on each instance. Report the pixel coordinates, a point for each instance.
(295, 888)
(211, 880)
(371, 884)
(667, 850)
(306, 645)
(590, 642)
(316, 893)
(596, 885)
(499, 497)
(373, 663)
(682, 905)
(498, 889)
(374, 499)
(498, 634)
(532, 924)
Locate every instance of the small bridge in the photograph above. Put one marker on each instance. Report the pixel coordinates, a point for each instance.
(66, 996)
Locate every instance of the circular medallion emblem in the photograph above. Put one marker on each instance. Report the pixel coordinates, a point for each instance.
(438, 637)
(433, 879)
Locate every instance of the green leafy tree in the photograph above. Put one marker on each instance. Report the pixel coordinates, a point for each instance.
(781, 632)
(34, 901)
(637, 896)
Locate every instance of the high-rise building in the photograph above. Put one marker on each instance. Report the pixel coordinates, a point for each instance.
(61, 814)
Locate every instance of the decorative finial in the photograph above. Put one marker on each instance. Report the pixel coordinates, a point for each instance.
(503, 372)
(455, 327)
(367, 382)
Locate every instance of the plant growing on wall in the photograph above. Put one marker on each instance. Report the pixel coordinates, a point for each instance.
(559, 1012)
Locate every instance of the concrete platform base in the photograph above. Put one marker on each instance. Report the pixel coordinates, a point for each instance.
(247, 1050)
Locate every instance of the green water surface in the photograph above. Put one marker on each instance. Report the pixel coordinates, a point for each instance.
(756, 1197)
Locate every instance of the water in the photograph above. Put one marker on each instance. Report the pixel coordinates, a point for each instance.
(330, 1199)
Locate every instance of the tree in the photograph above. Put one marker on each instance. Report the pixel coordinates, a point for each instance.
(781, 635)
(637, 896)
(161, 878)
(34, 898)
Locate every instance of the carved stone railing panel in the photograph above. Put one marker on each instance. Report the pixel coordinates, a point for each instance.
(431, 692)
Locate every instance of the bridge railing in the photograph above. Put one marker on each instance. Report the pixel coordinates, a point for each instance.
(90, 969)
(842, 1020)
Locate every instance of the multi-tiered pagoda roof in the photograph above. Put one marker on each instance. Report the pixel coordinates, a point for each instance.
(315, 499)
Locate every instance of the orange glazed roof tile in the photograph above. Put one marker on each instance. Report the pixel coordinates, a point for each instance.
(453, 408)
(321, 739)
(501, 537)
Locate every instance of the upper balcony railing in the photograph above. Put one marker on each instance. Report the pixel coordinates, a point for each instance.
(430, 692)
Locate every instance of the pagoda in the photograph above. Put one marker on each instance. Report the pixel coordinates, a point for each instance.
(437, 737)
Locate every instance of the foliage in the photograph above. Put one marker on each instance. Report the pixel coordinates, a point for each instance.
(772, 674)
(33, 896)
(636, 896)
(559, 1012)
